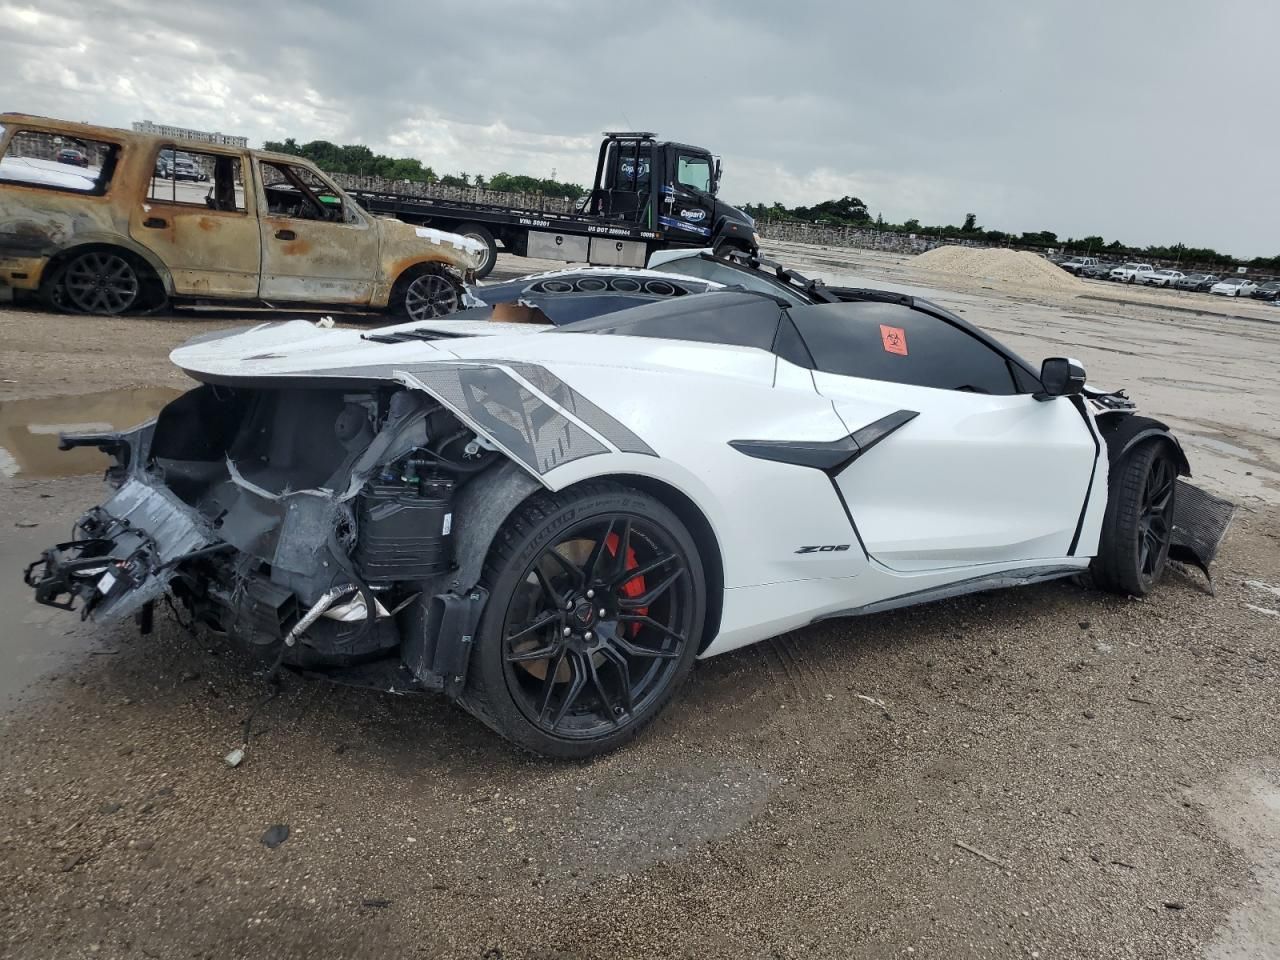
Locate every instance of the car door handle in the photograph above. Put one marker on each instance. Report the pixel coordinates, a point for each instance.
(286, 235)
(155, 223)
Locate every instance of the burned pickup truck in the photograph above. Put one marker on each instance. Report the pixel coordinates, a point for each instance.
(549, 524)
(146, 220)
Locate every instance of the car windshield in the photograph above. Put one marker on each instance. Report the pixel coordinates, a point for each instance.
(706, 267)
(1232, 282)
(1131, 266)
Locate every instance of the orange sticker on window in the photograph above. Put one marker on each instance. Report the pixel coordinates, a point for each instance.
(894, 339)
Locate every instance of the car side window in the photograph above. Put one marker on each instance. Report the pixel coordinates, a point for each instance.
(893, 342)
(56, 161)
(298, 192)
(193, 178)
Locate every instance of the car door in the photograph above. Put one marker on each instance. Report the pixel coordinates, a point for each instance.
(959, 464)
(317, 246)
(206, 234)
(687, 201)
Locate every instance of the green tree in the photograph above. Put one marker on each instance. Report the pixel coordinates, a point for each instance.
(970, 223)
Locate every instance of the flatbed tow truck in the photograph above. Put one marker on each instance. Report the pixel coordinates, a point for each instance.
(647, 195)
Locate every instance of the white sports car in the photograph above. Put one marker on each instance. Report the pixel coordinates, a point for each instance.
(549, 524)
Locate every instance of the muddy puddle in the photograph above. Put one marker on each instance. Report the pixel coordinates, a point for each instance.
(29, 429)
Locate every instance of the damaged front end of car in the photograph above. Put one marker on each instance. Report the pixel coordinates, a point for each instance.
(314, 524)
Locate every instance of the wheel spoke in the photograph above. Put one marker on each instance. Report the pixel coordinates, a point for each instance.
(574, 573)
(549, 684)
(539, 624)
(555, 597)
(624, 547)
(647, 599)
(633, 650)
(577, 681)
(624, 674)
(532, 656)
(597, 550)
(607, 702)
(641, 571)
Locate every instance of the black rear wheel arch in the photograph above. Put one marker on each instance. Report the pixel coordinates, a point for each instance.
(597, 601)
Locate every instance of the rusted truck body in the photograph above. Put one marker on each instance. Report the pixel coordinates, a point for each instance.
(122, 233)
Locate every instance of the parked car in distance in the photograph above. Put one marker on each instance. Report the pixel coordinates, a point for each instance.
(269, 228)
(185, 168)
(1077, 265)
(1163, 278)
(1234, 287)
(1098, 271)
(73, 156)
(1132, 272)
(1200, 282)
(1267, 291)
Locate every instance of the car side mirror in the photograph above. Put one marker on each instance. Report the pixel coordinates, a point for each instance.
(1060, 377)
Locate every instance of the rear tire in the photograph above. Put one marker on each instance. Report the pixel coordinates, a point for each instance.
(477, 232)
(103, 282)
(575, 653)
(1137, 527)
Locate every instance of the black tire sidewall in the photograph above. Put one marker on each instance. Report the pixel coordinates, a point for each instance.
(1118, 565)
(538, 524)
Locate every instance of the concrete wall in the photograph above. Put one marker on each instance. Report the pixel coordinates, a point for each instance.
(798, 232)
(435, 191)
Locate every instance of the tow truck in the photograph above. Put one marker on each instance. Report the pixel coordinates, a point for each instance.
(647, 195)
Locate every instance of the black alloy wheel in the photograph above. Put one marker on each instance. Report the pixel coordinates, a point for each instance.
(1155, 523)
(100, 282)
(591, 624)
(1137, 527)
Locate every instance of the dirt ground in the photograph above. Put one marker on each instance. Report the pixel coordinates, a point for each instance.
(1044, 773)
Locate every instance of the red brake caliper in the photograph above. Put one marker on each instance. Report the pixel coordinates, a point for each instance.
(635, 586)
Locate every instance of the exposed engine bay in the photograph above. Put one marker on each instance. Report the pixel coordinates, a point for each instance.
(284, 516)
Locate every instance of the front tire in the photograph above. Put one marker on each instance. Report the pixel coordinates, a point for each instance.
(595, 612)
(428, 295)
(1137, 527)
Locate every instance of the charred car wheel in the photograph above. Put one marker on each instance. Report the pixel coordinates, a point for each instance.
(430, 294)
(101, 282)
(594, 617)
(1138, 525)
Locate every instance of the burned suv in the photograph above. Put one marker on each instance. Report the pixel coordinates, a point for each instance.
(112, 235)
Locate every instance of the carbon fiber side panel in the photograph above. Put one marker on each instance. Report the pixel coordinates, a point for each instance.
(527, 427)
(582, 408)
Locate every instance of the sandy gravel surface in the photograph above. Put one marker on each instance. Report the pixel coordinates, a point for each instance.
(1109, 765)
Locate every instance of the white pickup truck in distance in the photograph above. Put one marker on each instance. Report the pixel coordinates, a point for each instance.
(1076, 264)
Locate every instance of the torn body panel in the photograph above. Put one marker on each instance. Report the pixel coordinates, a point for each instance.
(317, 519)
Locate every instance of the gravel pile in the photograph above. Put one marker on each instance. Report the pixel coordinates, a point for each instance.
(1006, 266)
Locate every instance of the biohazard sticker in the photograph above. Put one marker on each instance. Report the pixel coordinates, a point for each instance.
(894, 339)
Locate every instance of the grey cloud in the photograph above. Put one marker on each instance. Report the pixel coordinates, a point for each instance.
(1151, 122)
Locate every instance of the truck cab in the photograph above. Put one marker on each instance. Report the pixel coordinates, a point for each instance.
(665, 186)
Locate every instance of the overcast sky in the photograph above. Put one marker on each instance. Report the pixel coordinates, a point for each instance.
(1150, 122)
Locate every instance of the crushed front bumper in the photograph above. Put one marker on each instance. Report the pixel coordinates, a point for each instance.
(127, 553)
